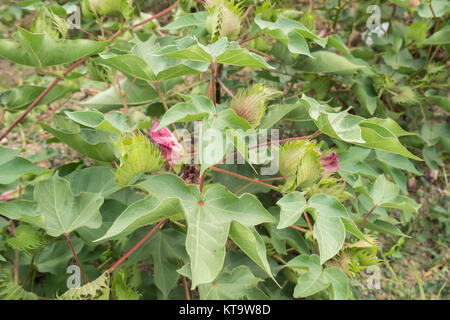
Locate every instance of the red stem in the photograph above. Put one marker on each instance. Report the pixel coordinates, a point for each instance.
(225, 87)
(251, 38)
(307, 220)
(244, 178)
(298, 228)
(137, 245)
(76, 258)
(185, 284)
(367, 216)
(76, 64)
(146, 20)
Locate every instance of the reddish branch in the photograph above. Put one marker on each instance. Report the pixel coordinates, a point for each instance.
(298, 228)
(76, 64)
(185, 283)
(76, 258)
(367, 216)
(137, 245)
(244, 178)
(251, 38)
(307, 220)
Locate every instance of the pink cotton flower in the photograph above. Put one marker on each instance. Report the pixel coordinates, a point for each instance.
(168, 143)
(7, 196)
(330, 163)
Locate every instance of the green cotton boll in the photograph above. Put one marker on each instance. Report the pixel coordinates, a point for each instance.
(309, 168)
(250, 103)
(300, 164)
(93, 8)
(137, 155)
(51, 24)
(230, 23)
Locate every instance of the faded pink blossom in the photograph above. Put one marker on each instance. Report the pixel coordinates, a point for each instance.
(168, 143)
(330, 163)
(7, 196)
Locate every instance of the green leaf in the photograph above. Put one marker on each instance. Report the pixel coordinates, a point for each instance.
(366, 95)
(167, 248)
(251, 243)
(54, 257)
(230, 285)
(27, 239)
(396, 161)
(326, 62)
(316, 279)
(120, 289)
(94, 144)
(164, 67)
(292, 206)
(21, 97)
(384, 227)
(9, 290)
(187, 20)
(221, 51)
(402, 203)
(289, 32)
(2, 259)
(127, 63)
(115, 122)
(339, 283)
(208, 218)
(13, 167)
(275, 113)
(438, 38)
(141, 213)
(375, 133)
(440, 7)
(62, 211)
(312, 281)
(329, 229)
(22, 210)
(41, 50)
(197, 108)
(382, 191)
(93, 179)
(110, 211)
(139, 93)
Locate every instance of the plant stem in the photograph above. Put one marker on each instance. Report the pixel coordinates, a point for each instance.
(251, 38)
(212, 84)
(225, 87)
(298, 228)
(76, 64)
(86, 280)
(161, 97)
(122, 98)
(185, 283)
(307, 220)
(29, 272)
(245, 178)
(367, 216)
(336, 17)
(137, 245)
